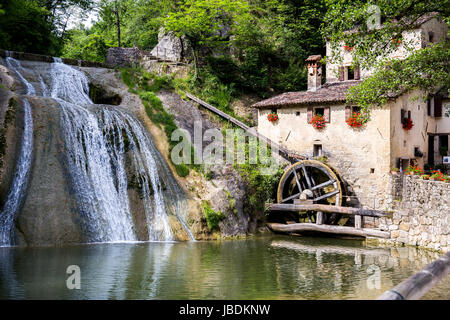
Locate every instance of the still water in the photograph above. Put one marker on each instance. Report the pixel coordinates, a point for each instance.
(259, 268)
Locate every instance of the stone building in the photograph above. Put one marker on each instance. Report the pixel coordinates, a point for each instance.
(363, 156)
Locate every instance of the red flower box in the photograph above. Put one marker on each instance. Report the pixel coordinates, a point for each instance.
(318, 121)
(407, 124)
(356, 120)
(272, 117)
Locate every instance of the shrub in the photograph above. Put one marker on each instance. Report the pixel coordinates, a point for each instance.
(212, 217)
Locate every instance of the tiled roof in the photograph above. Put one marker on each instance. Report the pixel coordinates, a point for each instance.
(327, 93)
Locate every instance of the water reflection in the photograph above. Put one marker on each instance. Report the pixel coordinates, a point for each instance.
(265, 268)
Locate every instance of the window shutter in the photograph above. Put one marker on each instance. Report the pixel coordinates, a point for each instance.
(348, 112)
(309, 114)
(438, 106)
(409, 114)
(429, 106)
(402, 114)
(341, 73)
(356, 73)
(326, 115)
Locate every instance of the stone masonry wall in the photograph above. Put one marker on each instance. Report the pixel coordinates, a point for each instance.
(422, 217)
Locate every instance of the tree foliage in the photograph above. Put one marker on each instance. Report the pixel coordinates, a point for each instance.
(36, 26)
(354, 23)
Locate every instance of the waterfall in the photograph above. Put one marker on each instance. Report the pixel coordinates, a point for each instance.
(107, 151)
(97, 142)
(20, 180)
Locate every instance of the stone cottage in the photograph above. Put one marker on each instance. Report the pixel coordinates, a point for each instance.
(363, 156)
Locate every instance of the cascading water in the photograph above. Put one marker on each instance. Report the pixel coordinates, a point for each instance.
(20, 180)
(97, 140)
(107, 149)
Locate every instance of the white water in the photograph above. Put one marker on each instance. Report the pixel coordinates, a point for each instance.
(101, 143)
(97, 140)
(20, 180)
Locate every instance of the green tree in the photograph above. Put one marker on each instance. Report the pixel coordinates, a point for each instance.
(202, 22)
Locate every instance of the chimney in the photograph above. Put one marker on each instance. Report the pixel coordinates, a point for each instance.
(314, 72)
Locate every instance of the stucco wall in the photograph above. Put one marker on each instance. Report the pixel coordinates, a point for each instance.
(422, 217)
(353, 152)
(403, 141)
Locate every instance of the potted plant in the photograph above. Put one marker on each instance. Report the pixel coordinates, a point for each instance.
(437, 175)
(318, 121)
(407, 124)
(414, 170)
(272, 117)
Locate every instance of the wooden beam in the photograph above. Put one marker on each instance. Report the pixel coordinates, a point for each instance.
(418, 284)
(326, 208)
(299, 227)
(358, 222)
(319, 218)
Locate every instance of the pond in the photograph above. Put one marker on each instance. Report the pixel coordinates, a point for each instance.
(275, 267)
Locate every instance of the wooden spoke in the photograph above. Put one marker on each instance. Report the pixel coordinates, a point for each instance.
(297, 195)
(327, 195)
(324, 184)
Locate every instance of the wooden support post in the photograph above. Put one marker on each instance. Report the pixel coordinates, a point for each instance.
(319, 217)
(358, 220)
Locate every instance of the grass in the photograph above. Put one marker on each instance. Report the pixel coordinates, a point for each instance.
(145, 85)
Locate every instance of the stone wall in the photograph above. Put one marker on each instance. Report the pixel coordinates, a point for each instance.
(123, 57)
(422, 217)
(41, 58)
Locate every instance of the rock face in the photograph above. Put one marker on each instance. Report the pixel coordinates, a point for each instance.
(50, 213)
(171, 47)
(226, 190)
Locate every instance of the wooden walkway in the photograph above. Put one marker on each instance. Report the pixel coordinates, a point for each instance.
(287, 154)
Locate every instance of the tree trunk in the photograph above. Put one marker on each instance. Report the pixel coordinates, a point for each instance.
(116, 12)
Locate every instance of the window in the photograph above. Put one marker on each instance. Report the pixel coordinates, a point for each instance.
(317, 151)
(324, 111)
(297, 113)
(349, 110)
(349, 73)
(430, 37)
(274, 111)
(320, 111)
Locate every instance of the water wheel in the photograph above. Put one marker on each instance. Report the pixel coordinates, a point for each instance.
(315, 181)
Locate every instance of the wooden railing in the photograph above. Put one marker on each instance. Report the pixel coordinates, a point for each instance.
(420, 283)
(287, 154)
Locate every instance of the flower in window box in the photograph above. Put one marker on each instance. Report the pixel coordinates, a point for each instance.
(348, 48)
(356, 120)
(272, 117)
(318, 121)
(407, 124)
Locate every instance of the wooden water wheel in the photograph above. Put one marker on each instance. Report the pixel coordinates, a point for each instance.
(315, 181)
